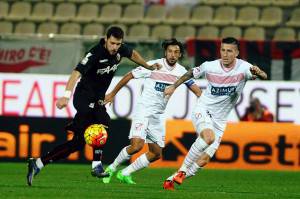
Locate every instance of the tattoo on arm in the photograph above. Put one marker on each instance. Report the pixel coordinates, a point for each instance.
(188, 75)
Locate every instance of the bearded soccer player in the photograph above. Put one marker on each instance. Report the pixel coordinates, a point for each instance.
(148, 124)
(226, 79)
(96, 71)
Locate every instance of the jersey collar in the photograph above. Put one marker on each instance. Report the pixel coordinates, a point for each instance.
(167, 66)
(228, 69)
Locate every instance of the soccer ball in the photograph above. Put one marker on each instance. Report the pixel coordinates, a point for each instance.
(95, 135)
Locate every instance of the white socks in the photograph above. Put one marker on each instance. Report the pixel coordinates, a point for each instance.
(192, 170)
(170, 178)
(140, 163)
(194, 153)
(95, 163)
(122, 157)
(39, 163)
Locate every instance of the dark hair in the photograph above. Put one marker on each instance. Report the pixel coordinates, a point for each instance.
(116, 32)
(231, 40)
(174, 42)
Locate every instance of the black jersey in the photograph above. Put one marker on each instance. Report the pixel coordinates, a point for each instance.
(98, 67)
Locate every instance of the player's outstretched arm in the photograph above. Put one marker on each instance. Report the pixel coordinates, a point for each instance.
(255, 70)
(170, 89)
(110, 96)
(196, 90)
(137, 58)
(63, 101)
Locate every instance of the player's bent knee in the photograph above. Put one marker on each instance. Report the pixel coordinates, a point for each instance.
(135, 147)
(155, 152)
(136, 144)
(153, 156)
(208, 136)
(157, 156)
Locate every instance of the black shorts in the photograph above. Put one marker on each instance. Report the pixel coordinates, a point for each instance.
(88, 112)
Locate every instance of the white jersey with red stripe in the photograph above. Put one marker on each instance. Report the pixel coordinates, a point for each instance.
(224, 86)
(152, 99)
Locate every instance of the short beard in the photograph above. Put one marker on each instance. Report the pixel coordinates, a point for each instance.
(171, 63)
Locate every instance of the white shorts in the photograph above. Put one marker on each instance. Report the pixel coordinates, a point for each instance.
(203, 119)
(150, 128)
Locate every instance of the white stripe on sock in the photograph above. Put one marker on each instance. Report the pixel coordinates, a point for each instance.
(122, 157)
(171, 177)
(192, 170)
(140, 163)
(194, 153)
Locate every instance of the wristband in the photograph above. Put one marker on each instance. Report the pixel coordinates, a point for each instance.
(67, 94)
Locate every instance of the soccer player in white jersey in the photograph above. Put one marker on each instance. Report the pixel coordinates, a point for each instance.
(226, 79)
(148, 124)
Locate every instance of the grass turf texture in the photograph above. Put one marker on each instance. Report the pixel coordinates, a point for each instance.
(75, 181)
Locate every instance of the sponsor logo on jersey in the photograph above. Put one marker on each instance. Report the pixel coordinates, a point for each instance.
(198, 115)
(159, 86)
(138, 126)
(86, 59)
(103, 60)
(107, 69)
(229, 90)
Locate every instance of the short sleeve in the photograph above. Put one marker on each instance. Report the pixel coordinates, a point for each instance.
(199, 71)
(140, 72)
(125, 51)
(87, 62)
(248, 73)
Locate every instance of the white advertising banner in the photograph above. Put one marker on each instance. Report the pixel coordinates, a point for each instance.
(39, 56)
(35, 95)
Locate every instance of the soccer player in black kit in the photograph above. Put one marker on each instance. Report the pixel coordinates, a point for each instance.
(96, 70)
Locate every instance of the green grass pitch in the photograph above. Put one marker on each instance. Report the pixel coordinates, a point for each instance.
(74, 181)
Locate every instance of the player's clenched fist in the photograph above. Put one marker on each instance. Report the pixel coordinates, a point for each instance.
(62, 102)
(255, 70)
(156, 66)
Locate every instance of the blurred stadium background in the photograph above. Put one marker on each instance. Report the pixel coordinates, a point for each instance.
(42, 40)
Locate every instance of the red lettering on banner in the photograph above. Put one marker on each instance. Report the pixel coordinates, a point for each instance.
(11, 55)
(21, 54)
(6, 97)
(17, 60)
(32, 52)
(29, 103)
(55, 98)
(3, 54)
(41, 54)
